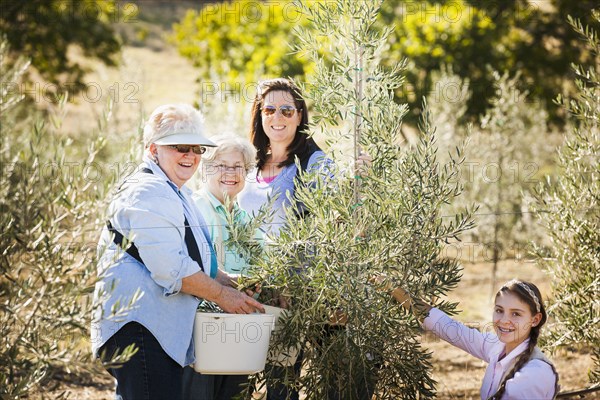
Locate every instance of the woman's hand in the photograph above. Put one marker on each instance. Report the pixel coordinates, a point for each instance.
(252, 287)
(235, 302)
(237, 282)
(283, 301)
(228, 298)
(402, 296)
(254, 291)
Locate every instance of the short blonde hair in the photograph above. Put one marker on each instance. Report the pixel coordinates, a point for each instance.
(229, 142)
(173, 119)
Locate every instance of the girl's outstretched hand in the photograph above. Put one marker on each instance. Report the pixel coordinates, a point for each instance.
(402, 296)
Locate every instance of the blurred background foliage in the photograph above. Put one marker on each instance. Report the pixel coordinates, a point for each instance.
(569, 212)
(529, 37)
(242, 41)
(48, 32)
(238, 42)
(469, 36)
(51, 193)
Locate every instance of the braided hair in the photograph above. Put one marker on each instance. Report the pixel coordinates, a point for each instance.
(530, 295)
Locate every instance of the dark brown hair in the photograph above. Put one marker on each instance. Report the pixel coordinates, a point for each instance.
(301, 144)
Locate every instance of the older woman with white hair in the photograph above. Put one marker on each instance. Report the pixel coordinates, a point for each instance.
(223, 173)
(156, 243)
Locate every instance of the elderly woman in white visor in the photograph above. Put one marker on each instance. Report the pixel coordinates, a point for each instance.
(155, 243)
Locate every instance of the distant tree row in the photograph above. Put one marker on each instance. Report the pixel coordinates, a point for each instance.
(242, 41)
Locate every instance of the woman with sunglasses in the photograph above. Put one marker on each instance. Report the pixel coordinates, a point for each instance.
(279, 131)
(156, 245)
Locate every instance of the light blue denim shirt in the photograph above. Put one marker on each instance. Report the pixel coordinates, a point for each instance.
(149, 210)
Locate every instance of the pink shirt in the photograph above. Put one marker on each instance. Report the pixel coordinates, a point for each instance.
(260, 179)
(534, 381)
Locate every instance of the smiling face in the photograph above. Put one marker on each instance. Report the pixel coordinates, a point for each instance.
(513, 320)
(225, 175)
(279, 129)
(178, 167)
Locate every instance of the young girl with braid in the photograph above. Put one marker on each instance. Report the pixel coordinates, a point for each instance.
(517, 368)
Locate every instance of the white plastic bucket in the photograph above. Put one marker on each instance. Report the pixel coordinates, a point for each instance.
(231, 344)
(283, 357)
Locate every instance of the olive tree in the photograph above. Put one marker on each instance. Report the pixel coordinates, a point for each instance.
(50, 195)
(568, 208)
(383, 221)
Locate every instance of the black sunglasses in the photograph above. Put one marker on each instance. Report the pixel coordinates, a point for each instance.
(185, 148)
(286, 111)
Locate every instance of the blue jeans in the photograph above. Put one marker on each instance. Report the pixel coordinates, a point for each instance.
(150, 374)
(197, 386)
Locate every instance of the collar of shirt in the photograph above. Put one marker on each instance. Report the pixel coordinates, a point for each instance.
(509, 359)
(218, 206)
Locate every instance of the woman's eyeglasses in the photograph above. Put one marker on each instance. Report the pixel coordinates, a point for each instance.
(286, 111)
(185, 148)
(227, 168)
